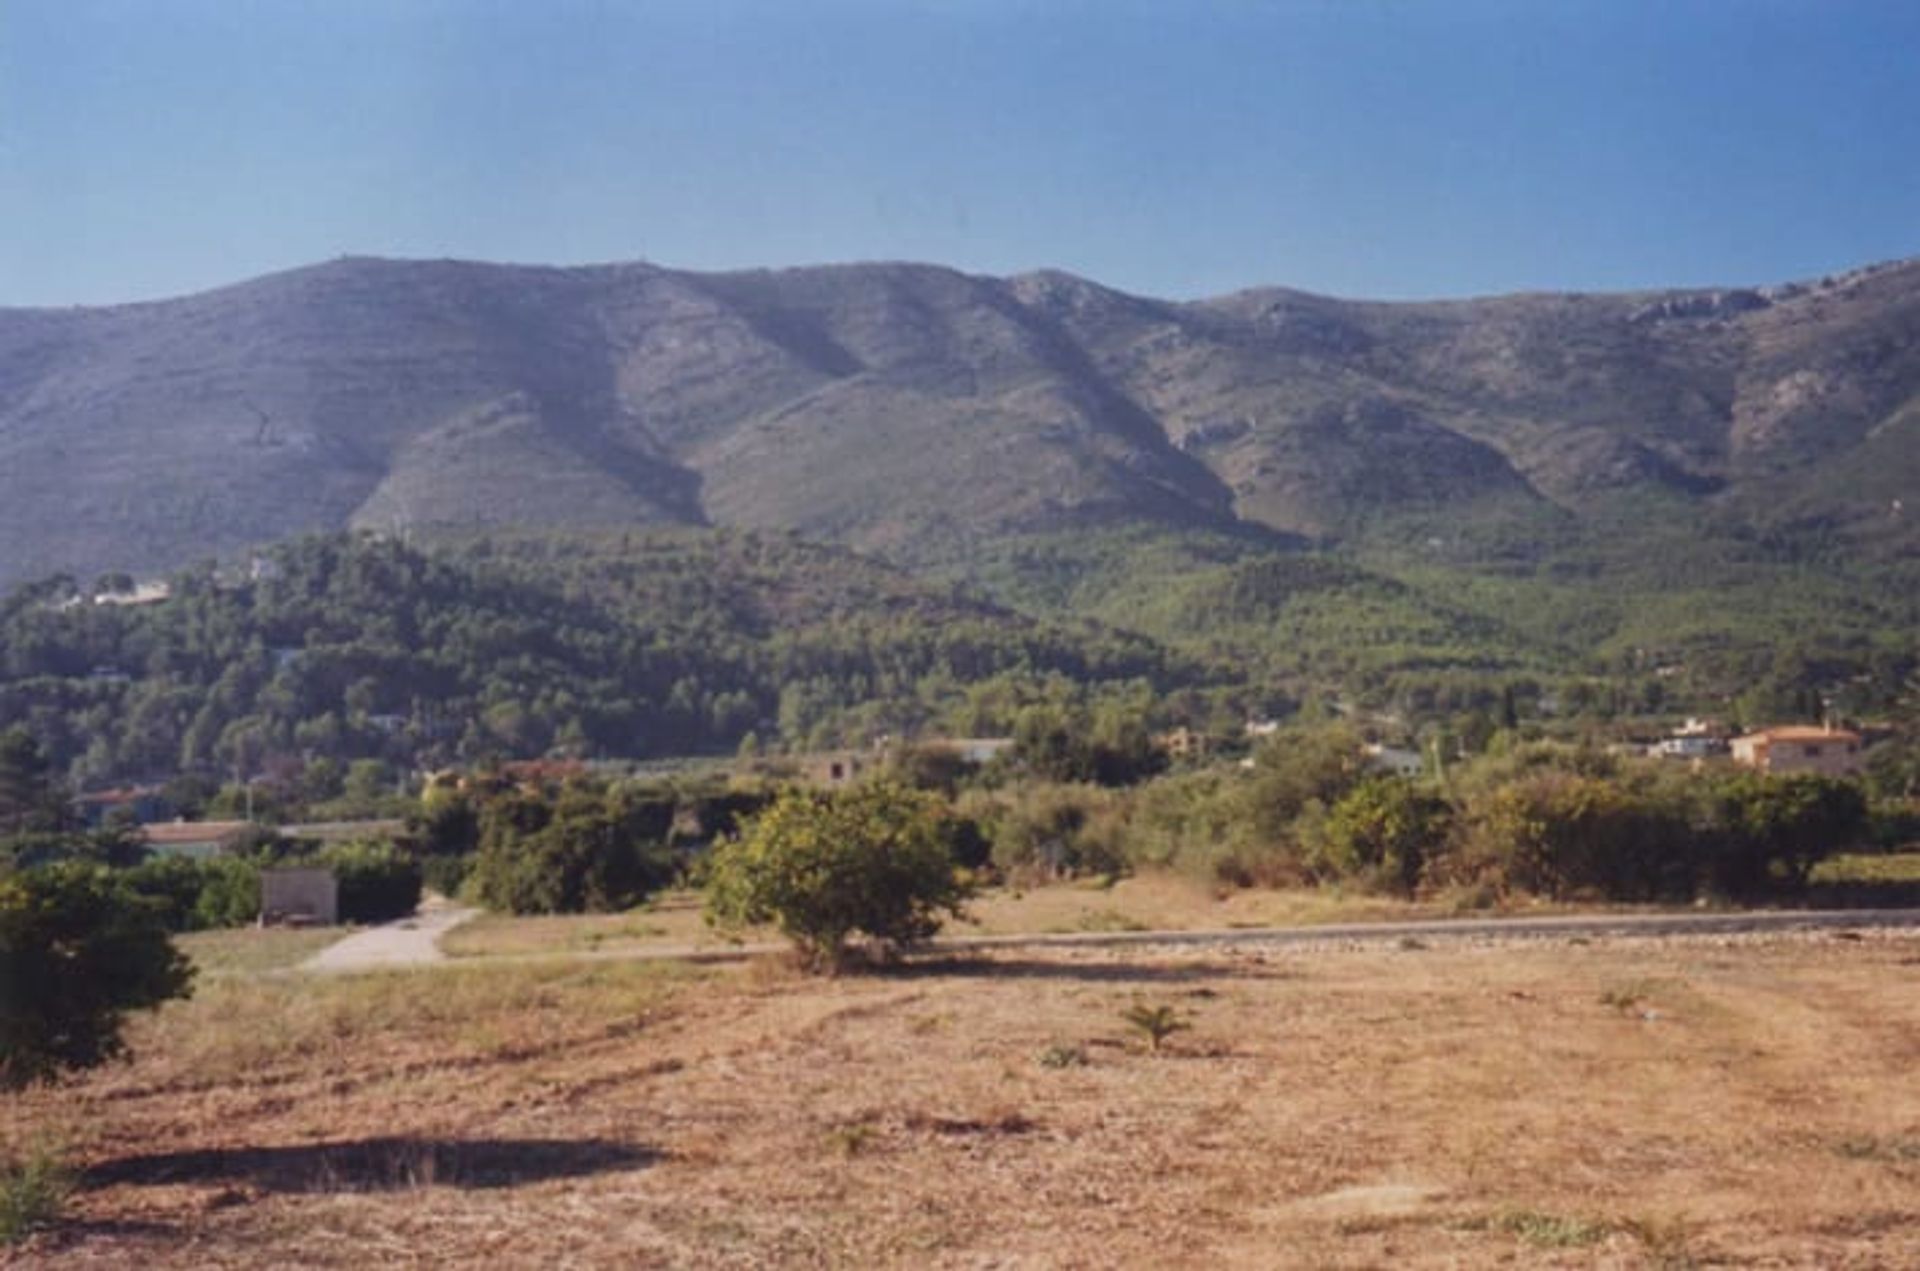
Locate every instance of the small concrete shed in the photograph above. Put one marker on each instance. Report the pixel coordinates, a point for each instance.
(303, 896)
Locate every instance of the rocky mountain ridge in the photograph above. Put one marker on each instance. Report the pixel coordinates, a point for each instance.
(908, 409)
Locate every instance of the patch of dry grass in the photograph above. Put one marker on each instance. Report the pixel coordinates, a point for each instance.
(1146, 902)
(250, 950)
(1466, 1105)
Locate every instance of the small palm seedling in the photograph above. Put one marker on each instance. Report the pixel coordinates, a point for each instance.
(1155, 1023)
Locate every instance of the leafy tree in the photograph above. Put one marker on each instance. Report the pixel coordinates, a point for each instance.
(30, 797)
(1774, 830)
(1052, 829)
(378, 882)
(590, 849)
(827, 866)
(1384, 829)
(78, 950)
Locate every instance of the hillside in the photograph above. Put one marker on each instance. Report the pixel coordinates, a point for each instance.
(927, 414)
(629, 645)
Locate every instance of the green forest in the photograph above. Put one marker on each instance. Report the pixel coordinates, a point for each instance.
(345, 650)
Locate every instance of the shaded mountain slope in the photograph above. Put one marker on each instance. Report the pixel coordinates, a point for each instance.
(923, 412)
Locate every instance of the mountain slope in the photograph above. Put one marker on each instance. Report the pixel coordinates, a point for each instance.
(923, 412)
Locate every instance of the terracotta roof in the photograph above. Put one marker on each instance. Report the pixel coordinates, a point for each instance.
(1801, 732)
(192, 831)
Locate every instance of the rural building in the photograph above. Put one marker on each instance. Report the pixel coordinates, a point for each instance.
(299, 896)
(343, 831)
(197, 839)
(837, 767)
(1831, 752)
(141, 803)
(1397, 760)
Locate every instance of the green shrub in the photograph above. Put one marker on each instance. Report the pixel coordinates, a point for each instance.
(1766, 833)
(34, 1187)
(826, 866)
(1051, 829)
(174, 884)
(195, 895)
(588, 850)
(446, 874)
(229, 893)
(1557, 833)
(378, 882)
(1381, 833)
(1155, 1023)
(78, 950)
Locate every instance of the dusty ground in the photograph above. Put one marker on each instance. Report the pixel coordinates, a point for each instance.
(1734, 1101)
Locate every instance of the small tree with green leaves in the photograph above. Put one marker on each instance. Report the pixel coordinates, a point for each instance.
(826, 867)
(78, 950)
(1155, 1023)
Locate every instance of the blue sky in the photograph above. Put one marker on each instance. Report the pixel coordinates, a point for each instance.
(1182, 148)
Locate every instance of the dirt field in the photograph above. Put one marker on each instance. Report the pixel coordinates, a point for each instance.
(1730, 1101)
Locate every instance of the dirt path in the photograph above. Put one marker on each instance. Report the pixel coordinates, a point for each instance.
(413, 941)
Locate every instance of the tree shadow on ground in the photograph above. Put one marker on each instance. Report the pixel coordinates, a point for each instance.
(381, 1164)
(985, 968)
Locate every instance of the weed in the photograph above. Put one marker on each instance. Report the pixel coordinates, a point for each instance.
(850, 1139)
(33, 1192)
(1553, 1231)
(1891, 1148)
(1063, 1055)
(1629, 996)
(1155, 1023)
(1668, 1242)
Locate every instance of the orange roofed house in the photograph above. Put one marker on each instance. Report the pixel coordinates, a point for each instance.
(1831, 752)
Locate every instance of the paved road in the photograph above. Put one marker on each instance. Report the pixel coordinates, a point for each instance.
(414, 941)
(411, 941)
(1578, 925)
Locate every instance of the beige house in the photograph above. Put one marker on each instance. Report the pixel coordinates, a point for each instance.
(198, 839)
(838, 767)
(1831, 752)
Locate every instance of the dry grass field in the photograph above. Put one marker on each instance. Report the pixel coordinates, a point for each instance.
(1144, 902)
(1697, 1102)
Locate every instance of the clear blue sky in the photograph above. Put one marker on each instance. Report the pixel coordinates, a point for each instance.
(1182, 147)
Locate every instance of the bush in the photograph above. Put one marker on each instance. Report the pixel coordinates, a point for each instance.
(78, 950)
(195, 895)
(1767, 833)
(378, 882)
(1382, 833)
(198, 895)
(1558, 833)
(1198, 823)
(173, 884)
(824, 866)
(33, 1193)
(229, 893)
(589, 850)
(1051, 829)
(445, 874)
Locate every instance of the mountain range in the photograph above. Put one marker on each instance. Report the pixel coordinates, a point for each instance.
(917, 412)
